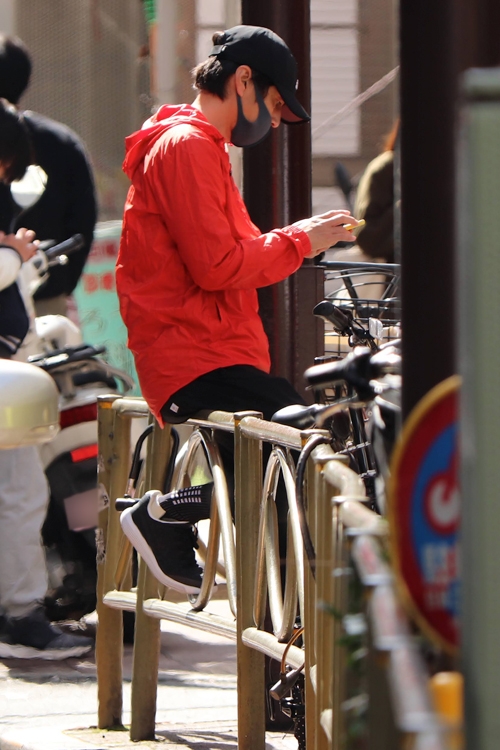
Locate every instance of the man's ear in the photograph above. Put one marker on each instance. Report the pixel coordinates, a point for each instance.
(241, 78)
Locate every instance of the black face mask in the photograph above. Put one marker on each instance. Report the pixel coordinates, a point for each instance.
(246, 133)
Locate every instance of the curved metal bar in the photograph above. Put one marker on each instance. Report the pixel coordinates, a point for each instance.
(221, 525)
(293, 585)
(223, 505)
(268, 564)
(271, 544)
(283, 610)
(210, 556)
(259, 607)
(186, 459)
(294, 582)
(296, 534)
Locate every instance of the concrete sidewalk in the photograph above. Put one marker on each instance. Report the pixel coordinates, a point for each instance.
(53, 705)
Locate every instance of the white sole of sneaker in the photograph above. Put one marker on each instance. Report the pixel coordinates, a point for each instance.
(17, 651)
(139, 543)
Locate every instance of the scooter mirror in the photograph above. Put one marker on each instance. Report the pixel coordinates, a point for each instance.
(29, 409)
(29, 189)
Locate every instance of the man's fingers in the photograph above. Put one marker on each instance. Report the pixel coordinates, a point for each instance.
(342, 216)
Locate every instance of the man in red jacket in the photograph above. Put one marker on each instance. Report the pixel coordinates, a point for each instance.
(190, 263)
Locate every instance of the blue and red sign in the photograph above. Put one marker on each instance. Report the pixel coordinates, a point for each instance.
(425, 513)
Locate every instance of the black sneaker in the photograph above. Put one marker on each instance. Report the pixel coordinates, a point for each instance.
(166, 546)
(34, 637)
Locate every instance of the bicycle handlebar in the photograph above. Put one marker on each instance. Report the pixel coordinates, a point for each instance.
(344, 323)
(71, 245)
(357, 369)
(65, 356)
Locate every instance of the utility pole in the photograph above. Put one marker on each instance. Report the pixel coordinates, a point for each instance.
(277, 191)
(479, 340)
(428, 79)
(438, 42)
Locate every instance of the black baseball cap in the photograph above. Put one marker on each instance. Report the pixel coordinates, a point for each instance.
(266, 52)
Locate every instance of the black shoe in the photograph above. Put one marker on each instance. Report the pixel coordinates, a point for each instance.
(34, 637)
(167, 547)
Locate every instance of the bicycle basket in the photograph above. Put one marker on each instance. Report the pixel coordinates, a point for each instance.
(369, 293)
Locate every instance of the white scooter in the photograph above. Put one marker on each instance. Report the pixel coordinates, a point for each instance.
(54, 344)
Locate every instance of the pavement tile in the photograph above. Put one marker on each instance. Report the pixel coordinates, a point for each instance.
(53, 705)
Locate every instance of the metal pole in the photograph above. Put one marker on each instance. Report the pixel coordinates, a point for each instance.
(480, 410)
(479, 253)
(113, 442)
(147, 629)
(250, 663)
(277, 191)
(428, 101)
(478, 34)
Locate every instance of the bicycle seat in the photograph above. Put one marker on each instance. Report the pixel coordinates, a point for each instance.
(298, 416)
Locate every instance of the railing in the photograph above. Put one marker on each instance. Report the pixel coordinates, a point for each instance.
(347, 537)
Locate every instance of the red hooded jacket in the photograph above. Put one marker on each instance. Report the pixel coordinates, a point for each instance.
(190, 259)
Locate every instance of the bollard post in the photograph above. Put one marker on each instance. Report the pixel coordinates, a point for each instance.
(113, 450)
(309, 614)
(382, 731)
(250, 663)
(147, 629)
(479, 341)
(340, 572)
(327, 668)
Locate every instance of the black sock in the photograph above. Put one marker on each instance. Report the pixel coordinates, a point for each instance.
(188, 504)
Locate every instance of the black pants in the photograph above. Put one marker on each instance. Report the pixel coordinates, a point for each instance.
(236, 388)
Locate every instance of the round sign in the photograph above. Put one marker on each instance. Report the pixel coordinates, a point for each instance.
(424, 514)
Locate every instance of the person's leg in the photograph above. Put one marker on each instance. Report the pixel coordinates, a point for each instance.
(26, 632)
(233, 389)
(150, 524)
(23, 505)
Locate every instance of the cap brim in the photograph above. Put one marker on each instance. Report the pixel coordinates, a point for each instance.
(293, 112)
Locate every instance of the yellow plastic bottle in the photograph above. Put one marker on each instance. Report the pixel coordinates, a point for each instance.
(447, 693)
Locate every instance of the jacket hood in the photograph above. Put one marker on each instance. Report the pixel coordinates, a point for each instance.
(168, 116)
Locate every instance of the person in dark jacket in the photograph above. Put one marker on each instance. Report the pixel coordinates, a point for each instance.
(68, 204)
(25, 631)
(375, 203)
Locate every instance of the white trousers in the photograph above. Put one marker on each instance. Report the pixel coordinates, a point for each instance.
(23, 504)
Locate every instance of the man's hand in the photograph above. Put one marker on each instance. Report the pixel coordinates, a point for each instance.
(23, 242)
(326, 230)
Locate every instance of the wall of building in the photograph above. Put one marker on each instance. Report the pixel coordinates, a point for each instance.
(91, 71)
(353, 45)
